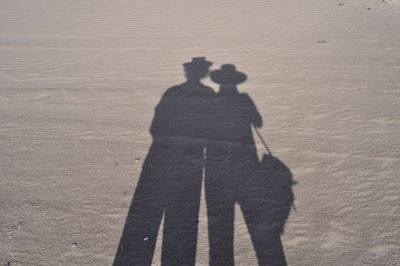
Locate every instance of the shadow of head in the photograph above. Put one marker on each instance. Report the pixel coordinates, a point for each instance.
(227, 75)
(197, 69)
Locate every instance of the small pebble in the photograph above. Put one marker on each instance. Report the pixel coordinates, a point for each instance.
(74, 245)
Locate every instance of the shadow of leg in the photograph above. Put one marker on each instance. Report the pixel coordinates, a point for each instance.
(220, 212)
(265, 233)
(181, 219)
(180, 236)
(139, 237)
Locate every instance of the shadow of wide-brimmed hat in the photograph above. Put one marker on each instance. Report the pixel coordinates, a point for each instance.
(198, 62)
(228, 75)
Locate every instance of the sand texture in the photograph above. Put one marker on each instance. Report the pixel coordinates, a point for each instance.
(79, 84)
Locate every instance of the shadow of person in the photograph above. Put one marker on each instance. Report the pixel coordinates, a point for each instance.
(171, 178)
(234, 174)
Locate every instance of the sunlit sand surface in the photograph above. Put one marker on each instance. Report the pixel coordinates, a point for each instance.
(79, 81)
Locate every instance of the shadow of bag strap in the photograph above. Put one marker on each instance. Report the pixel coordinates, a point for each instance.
(263, 141)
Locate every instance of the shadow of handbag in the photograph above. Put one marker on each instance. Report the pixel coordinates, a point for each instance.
(276, 181)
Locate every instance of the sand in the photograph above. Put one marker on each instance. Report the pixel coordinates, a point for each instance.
(79, 81)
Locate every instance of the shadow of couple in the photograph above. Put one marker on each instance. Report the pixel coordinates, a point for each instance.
(202, 135)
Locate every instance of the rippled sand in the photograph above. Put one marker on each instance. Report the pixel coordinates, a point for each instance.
(79, 81)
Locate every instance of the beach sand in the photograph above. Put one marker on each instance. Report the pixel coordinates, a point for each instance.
(79, 81)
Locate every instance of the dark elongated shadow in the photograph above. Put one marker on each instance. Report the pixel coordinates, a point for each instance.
(234, 174)
(170, 182)
(197, 131)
